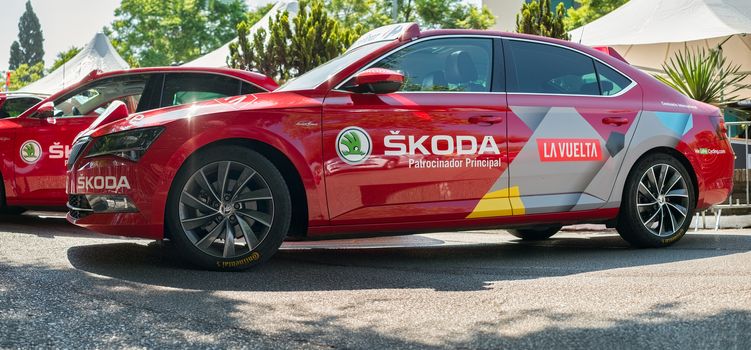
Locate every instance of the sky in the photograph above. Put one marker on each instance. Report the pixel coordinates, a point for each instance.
(65, 23)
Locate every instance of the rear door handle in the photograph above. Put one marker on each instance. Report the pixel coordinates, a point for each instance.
(617, 121)
(485, 119)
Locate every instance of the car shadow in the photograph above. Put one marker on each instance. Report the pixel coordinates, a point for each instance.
(94, 312)
(445, 267)
(43, 224)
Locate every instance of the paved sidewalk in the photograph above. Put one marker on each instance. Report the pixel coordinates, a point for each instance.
(64, 287)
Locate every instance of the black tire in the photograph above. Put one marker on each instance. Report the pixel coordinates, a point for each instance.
(280, 219)
(7, 210)
(631, 225)
(535, 233)
(12, 210)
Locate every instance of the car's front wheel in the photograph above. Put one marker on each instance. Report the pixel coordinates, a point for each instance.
(229, 209)
(535, 233)
(7, 210)
(657, 203)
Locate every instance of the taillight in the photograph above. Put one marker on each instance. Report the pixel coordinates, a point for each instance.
(722, 130)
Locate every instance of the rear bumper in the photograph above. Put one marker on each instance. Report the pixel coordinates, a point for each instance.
(714, 175)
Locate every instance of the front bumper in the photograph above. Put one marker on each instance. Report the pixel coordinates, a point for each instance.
(114, 196)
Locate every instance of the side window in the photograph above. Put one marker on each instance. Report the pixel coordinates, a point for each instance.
(250, 89)
(541, 68)
(182, 88)
(93, 99)
(611, 82)
(15, 106)
(461, 64)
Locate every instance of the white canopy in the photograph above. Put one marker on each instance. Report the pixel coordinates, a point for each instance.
(97, 54)
(649, 32)
(218, 57)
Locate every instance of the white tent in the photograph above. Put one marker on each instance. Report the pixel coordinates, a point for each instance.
(649, 32)
(97, 54)
(218, 57)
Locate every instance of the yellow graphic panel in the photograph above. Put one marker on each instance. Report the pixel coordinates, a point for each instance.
(505, 202)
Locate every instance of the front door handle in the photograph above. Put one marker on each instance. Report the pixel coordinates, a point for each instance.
(617, 121)
(485, 119)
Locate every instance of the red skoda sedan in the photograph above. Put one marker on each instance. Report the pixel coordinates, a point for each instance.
(410, 131)
(36, 133)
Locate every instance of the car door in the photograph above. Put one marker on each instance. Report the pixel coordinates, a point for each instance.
(430, 151)
(571, 120)
(44, 144)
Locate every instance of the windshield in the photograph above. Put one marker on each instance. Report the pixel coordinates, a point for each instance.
(318, 75)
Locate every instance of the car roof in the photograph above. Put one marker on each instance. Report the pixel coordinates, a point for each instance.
(439, 32)
(257, 79)
(19, 94)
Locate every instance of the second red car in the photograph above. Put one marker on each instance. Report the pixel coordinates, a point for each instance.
(35, 144)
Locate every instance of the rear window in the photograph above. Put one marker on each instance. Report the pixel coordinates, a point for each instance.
(611, 82)
(548, 69)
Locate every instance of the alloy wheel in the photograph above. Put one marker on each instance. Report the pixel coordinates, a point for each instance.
(226, 209)
(662, 200)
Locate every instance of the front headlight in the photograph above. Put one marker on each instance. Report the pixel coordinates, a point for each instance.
(131, 144)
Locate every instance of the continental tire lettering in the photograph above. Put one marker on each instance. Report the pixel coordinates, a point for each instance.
(675, 237)
(254, 256)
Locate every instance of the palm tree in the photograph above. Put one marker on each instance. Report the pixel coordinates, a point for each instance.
(704, 76)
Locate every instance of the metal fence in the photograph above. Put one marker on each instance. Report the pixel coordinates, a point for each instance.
(740, 197)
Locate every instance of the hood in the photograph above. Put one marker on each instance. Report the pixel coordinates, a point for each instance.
(233, 104)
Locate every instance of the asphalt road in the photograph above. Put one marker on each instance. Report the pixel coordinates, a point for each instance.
(63, 287)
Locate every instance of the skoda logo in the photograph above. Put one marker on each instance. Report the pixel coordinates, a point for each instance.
(353, 145)
(31, 151)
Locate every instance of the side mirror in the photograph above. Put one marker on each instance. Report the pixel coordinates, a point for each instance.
(46, 111)
(378, 81)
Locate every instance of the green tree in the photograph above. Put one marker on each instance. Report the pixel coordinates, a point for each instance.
(588, 11)
(16, 58)
(255, 15)
(430, 14)
(433, 14)
(162, 32)
(703, 75)
(25, 75)
(29, 48)
(451, 14)
(289, 48)
(367, 13)
(318, 37)
(477, 18)
(537, 18)
(65, 56)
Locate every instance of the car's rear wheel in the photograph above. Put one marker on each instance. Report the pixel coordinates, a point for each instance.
(535, 233)
(229, 209)
(657, 203)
